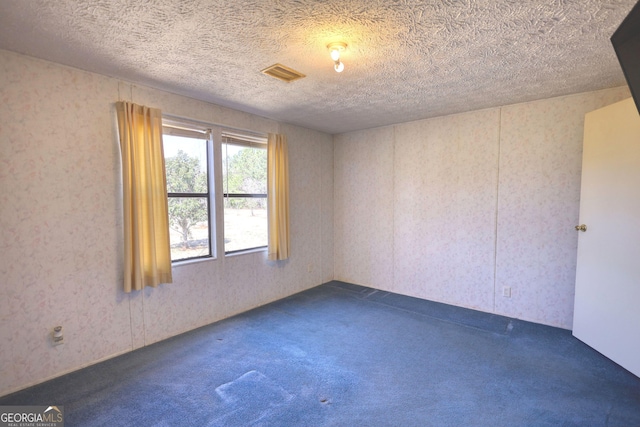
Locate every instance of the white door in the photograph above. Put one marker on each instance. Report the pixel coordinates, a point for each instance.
(607, 301)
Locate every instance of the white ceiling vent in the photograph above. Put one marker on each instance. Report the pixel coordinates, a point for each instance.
(283, 73)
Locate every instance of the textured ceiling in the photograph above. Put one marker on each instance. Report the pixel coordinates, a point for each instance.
(405, 60)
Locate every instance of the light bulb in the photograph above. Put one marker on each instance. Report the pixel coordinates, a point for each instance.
(335, 49)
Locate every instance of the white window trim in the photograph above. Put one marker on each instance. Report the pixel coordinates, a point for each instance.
(246, 139)
(217, 133)
(190, 129)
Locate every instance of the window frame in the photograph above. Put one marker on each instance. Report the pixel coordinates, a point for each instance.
(188, 129)
(248, 141)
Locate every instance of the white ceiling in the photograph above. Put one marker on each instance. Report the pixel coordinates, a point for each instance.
(405, 60)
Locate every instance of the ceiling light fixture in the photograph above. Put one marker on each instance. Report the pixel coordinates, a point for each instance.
(336, 48)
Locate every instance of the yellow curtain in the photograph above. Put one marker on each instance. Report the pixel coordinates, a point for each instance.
(278, 197)
(147, 252)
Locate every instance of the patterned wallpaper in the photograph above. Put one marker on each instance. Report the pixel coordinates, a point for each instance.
(61, 227)
(363, 202)
(455, 208)
(444, 208)
(539, 204)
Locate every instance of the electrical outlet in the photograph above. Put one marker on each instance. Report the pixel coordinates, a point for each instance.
(506, 292)
(310, 268)
(57, 338)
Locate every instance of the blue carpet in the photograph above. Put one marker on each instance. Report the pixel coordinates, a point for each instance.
(346, 355)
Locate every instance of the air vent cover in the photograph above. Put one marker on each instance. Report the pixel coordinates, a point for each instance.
(283, 73)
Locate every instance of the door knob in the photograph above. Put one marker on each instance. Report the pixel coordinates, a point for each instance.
(581, 227)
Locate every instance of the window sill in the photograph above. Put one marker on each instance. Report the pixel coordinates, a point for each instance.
(248, 251)
(191, 261)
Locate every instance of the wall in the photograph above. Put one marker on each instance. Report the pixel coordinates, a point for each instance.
(454, 209)
(61, 227)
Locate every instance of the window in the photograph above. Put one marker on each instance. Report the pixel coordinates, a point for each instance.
(188, 160)
(244, 183)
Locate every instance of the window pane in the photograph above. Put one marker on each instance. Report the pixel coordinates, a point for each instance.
(245, 218)
(244, 169)
(245, 223)
(189, 227)
(186, 164)
(187, 171)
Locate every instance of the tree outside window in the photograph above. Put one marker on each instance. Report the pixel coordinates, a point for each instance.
(187, 173)
(245, 194)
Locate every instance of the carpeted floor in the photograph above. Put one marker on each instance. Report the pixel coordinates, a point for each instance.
(345, 355)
